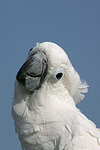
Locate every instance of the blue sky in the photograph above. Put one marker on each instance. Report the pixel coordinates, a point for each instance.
(72, 24)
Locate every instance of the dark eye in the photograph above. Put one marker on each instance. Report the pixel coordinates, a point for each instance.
(59, 75)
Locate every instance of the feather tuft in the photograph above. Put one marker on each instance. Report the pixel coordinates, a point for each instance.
(79, 95)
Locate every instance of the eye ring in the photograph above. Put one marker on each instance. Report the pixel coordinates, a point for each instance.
(59, 75)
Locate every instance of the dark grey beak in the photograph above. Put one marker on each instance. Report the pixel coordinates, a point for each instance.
(33, 72)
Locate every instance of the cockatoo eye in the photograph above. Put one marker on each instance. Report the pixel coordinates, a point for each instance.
(59, 75)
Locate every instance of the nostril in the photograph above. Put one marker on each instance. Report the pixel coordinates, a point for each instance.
(31, 49)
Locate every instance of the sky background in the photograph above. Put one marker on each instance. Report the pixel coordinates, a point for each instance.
(72, 24)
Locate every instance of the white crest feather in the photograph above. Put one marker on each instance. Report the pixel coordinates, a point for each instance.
(79, 95)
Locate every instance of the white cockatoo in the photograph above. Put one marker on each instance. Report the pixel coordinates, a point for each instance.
(47, 89)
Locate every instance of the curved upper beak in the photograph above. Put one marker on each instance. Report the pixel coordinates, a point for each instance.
(33, 71)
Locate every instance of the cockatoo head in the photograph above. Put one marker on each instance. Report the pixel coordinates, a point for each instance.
(48, 63)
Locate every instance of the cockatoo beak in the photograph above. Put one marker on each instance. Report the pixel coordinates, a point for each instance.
(33, 71)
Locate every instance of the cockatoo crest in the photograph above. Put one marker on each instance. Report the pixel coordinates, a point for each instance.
(59, 61)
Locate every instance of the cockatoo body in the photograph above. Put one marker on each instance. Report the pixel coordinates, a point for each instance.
(47, 89)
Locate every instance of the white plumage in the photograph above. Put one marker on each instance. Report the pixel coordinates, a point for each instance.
(47, 87)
